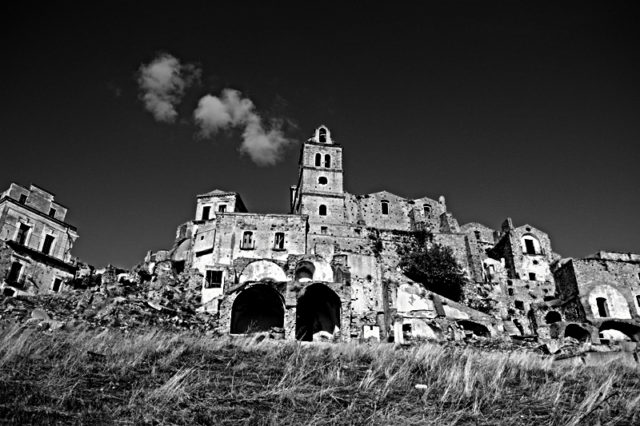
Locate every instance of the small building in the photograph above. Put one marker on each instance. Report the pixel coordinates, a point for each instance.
(35, 241)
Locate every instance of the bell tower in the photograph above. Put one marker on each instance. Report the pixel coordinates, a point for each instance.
(320, 193)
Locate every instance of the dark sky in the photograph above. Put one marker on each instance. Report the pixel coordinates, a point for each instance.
(521, 109)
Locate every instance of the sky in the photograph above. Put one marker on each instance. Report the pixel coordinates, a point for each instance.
(526, 110)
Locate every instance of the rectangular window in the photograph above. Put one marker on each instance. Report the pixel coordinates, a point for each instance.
(385, 207)
(23, 233)
(56, 285)
(532, 276)
(323, 230)
(530, 248)
(520, 305)
(206, 210)
(52, 212)
(213, 279)
(510, 291)
(279, 241)
(14, 272)
(247, 241)
(603, 308)
(23, 199)
(48, 243)
(222, 208)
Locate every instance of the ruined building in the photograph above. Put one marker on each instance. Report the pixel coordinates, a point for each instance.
(35, 241)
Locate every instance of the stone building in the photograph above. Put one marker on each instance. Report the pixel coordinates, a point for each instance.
(329, 267)
(35, 241)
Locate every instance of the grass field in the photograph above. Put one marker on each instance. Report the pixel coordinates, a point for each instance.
(158, 377)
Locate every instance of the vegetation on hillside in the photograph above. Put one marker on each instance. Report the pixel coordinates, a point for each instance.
(107, 377)
(432, 265)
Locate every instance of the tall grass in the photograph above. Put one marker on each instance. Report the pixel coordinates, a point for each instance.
(169, 378)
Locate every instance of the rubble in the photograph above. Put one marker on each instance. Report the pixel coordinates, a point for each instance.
(167, 300)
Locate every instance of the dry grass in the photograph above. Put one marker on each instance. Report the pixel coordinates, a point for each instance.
(166, 378)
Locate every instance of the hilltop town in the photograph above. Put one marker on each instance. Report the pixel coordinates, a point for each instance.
(328, 270)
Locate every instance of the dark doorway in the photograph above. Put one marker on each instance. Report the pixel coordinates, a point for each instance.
(552, 317)
(258, 308)
(475, 328)
(577, 332)
(318, 309)
(23, 232)
(14, 272)
(48, 243)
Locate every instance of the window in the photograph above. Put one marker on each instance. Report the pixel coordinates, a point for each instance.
(532, 276)
(247, 240)
(318, 160)
(278, 243)
(52, 212)
(57, 282)
(638, 300)
(426, 208)
(222, 208)
(323, 230)
(23, 199)
(213, 279)
(327, 160)
(14, 272)
(322, 135)
(520, 305)
(477, 234)
(322, 211)
(603, 309)
(385, 207)
(206, 210)
(48, 243)
(529, 246)
(510, 291)
(322, 180)
(23, 233)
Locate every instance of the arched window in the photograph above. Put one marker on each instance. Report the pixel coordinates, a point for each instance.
(322, 135)
(318, 159)
(603, 308)
(322, 180)
(322, 210)
(426, 208)
(531, 245)
(327, 160)
(385, 207)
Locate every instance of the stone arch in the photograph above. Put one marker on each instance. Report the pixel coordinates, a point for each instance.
(631, 331)
(318, 310)
(530, 244)
(314, 269)
(581, 334)
(257, 308)
(262, 270)
(616, 304)
(475, 327)
(304, 271)
(552, 317)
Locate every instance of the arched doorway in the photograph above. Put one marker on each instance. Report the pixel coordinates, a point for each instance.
(577, 332)
(258, 308)
(615, 330)
(474, 327)
(318, 309)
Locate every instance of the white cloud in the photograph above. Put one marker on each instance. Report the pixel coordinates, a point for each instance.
(264, 147)
(162, 84)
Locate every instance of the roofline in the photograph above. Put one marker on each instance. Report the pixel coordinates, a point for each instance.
(45, 190)
(38, 212)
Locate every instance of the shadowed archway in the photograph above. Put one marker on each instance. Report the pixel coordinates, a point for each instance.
(258, 308)
(476, 328)
(629, 330)
(577, 332)
(318, 309)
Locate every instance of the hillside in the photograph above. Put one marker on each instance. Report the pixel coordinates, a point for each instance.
(107, 376)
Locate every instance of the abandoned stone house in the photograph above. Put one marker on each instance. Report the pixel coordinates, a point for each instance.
(35, 242)
(328, 268)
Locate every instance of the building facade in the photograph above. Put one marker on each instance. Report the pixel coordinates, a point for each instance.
(35, 241)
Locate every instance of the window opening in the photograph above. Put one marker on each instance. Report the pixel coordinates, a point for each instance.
(532, 276)
(48, 243)
(426, 208)
(247, 240)
(206, 210)
(318, 160)
(603, 308)
(52, 212)
(23, 232)
(322, 180)
(322, 135)
(327, 160)
(56, 285)
(323, 230)
(222, 208)
(385, 207)
(23, 199)
(322, 210)
(520, 305)
(14, 272)
(213, 279)
(530, 248)
(279, 241)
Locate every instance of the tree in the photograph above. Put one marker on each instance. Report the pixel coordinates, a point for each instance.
(433, 266)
